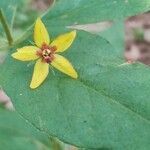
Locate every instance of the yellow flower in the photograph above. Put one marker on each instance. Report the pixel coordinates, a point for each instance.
(45, 54)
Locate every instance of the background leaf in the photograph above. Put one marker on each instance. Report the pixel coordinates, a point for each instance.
(16, 133)
(9, 8)
(19, 17)
(70, 12)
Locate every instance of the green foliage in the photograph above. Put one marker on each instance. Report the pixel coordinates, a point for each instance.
(108, 105)
(69, 12)
(16, 133)
(9, 8)
(18, 16)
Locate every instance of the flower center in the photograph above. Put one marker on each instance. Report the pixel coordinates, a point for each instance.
(47, 53)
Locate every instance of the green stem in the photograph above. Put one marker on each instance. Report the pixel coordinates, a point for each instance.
(56, 144)
(6, 27)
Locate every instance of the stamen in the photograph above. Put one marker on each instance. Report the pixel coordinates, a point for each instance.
(39, 53)
(47, 53)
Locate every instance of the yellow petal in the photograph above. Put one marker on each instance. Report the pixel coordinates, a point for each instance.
(63, 65)
(41, 35)
(41, 70)
(64, 41)
(26, 53)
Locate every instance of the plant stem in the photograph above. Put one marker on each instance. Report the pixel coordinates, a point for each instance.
(6, 27)
(56, 144)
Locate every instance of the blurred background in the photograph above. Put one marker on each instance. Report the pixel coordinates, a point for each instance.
(137, 34)
(137, 38)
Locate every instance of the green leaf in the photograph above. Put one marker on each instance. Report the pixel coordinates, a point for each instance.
(115, 35)
(65, 13)
(70, 12)
(16, 133)
(107, 107)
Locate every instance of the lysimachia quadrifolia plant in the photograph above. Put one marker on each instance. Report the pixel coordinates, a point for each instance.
(45, 52)
(99, 103)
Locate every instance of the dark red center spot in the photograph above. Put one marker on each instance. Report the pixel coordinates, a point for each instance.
(47, 53)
